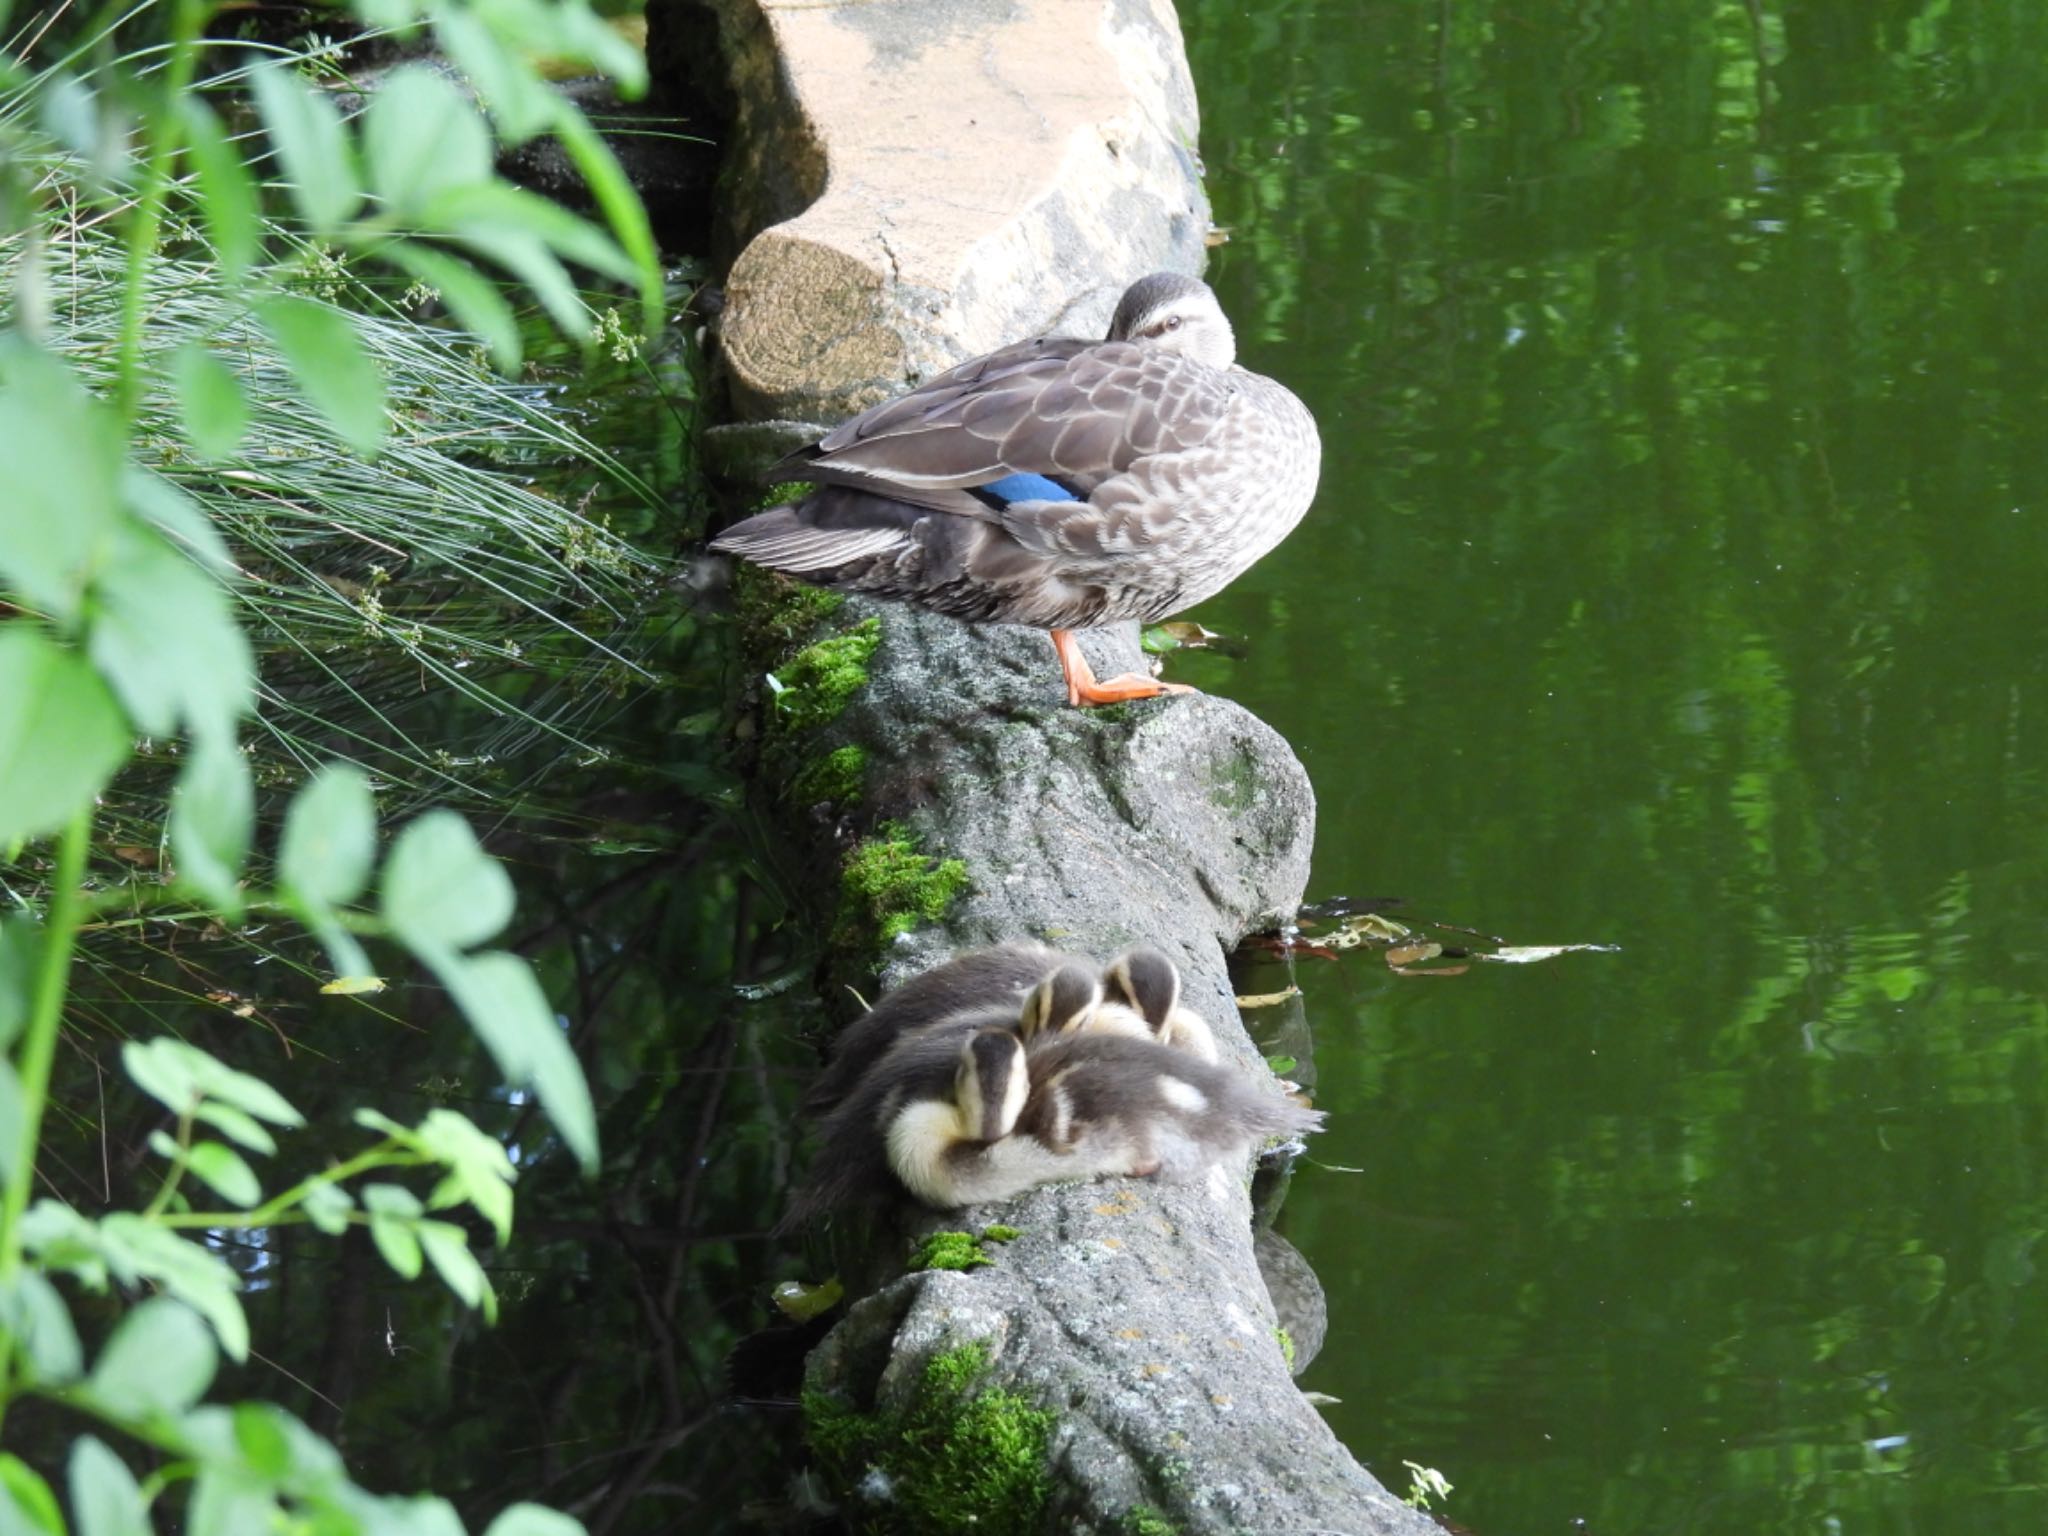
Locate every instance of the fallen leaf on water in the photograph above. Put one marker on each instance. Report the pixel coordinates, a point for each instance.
(800, 1303)
(1434, 970)
(1523, 954)
(351, 986)
(1320, 1399)
(1268, 999)
(1408, 954)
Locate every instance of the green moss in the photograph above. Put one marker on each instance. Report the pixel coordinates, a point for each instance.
(1001, 1234)
(777, 612)
(957, 1460)
(1236, 787)
(949, 1250)
(836, 777)
(1144, 1520)
(1286, 1342)
(888, 886)
(812, 687)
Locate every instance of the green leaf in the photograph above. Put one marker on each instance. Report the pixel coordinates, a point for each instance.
(162, 634)
(529, 260)
(448, 1250)
(223, 1169)
(327, 1206)
(225, 1503)
(394, 1213)
(21, 945)
(471, 297)
(157, 501)
(533, 1520)
(104, 1496)
(160, 1360)
(504, 1004)
(28, 1499)
(441, 888)
(227, 192)
(312, 146)
(210, 402)
(61, 733)
(65, 1241)
(499, 210)
(521, 103)
(480, 1171)
(423, 139)
(616, 198)
(140, 1250)
(330, 837)
(237, 1125)
(263, 1434)
(327, 358)
(63, 451)
(213, 814)
(178, 1075)
(34, 1313)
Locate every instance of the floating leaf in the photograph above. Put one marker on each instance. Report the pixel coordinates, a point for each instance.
(1525, 954)
(353, 986)
(800, 1303)
(1409, 954)
(1268, 999)
(1434, 970)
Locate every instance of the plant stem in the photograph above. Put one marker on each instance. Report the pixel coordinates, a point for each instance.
(385, 1154)
(187, 18)
(39, 1052)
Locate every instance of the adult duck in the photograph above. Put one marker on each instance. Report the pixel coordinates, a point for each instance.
(1058, 482)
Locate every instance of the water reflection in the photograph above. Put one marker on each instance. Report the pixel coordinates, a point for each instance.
(1676, 583)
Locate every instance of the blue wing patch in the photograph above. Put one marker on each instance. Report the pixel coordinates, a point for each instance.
(1000, 493)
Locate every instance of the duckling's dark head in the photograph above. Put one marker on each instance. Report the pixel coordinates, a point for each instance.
(1146, 982)
(1060, 1003)
(1175, 313)
(990, 1085)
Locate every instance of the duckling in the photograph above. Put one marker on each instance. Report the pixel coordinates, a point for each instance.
(1080, 1105)
(1145, 983)
(1070, 1000)
(981, 988)
(1127, 1106)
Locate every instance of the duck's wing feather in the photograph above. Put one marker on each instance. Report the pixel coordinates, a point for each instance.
(1078, 412)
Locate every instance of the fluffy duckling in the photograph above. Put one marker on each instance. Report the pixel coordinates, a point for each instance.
(1079, 1105)
(1144, 983)
(1124, 1106)
(974, 990)
(1070, 1000)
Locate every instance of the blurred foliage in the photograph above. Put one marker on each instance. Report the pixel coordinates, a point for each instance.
(1676, 583)
(480, 612)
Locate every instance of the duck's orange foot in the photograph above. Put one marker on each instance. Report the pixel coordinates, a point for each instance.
(1083, 688)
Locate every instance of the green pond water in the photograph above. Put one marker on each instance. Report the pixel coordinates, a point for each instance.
(1677, 582)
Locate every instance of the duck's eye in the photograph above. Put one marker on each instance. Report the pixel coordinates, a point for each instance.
(1173, 322)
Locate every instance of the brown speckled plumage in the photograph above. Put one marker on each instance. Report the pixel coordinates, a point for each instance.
(1184, 469)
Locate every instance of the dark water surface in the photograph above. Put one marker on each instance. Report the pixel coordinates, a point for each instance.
(1678, 582)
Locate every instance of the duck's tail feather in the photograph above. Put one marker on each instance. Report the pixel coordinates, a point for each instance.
(807, 539)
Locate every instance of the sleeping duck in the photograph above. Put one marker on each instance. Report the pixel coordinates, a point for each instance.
(1059, 483)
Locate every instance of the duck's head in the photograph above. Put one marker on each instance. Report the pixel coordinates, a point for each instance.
(1061, 1003)
(1176, 314)
(1144, 981)
(990, 1084)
